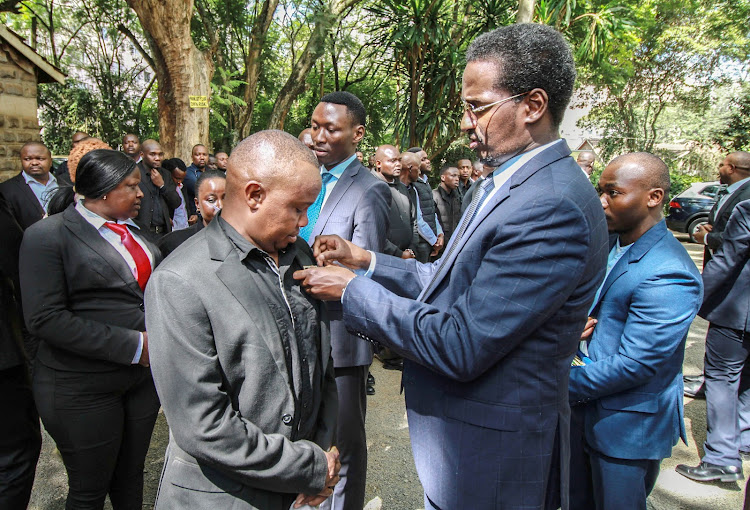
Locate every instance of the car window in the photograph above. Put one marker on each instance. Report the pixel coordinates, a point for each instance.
(710, 191)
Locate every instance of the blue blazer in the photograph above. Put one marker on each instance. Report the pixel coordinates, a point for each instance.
(634, 385)
(358, 210)
(488, 345)
(726, 276)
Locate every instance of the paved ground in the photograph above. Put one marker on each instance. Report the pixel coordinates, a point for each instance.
(392, 482)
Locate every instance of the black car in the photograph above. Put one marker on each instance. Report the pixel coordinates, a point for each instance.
(689, 209)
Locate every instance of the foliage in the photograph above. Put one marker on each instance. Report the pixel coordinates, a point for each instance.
(735, 135)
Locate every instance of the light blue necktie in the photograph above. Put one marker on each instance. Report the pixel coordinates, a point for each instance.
(482, 192)
(314, 210)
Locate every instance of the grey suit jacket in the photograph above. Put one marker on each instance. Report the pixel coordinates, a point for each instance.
(221, 372)
(357, 210)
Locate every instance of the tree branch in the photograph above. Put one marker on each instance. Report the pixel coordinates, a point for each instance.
(126, 31)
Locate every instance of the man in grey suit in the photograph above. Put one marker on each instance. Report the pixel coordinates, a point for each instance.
(241, 357)
(354, 205)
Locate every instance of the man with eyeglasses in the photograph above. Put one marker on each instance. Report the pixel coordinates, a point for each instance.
(488, 331)
(734, 174)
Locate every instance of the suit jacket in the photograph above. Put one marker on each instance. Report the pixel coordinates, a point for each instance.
(80, 298)
(719, 218)
(726, 277)
(12, 351)
(221, 371)
(402, 216)
(168, 197)
(357, 210)
(22, 201)
(488, 344)
(634, 384)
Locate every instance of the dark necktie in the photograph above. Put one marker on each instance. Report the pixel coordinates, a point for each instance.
(142, 263)
(314, 210)
(480, 194)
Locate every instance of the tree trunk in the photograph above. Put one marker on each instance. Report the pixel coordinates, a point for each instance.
(253, 63)
(182, 70)
(315, 47)
(525, 11)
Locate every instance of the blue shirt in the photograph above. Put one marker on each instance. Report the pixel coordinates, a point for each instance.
(336, 173)
(42, 192)
(191, 176)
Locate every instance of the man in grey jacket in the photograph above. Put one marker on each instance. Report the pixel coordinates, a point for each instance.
(241, 356)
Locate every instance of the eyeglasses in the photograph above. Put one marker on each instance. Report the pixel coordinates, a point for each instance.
(474, 111)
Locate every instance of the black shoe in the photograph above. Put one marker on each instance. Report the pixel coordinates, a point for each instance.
(370, 389)
(370, 379)
(394, 364)
(695, 389)
(705, 472)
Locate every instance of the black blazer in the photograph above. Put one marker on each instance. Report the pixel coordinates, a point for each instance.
(22, 201)
(719, 218)
(11, 337)
(401, 228)
(171, 241)
(80, 298)
(169, 197)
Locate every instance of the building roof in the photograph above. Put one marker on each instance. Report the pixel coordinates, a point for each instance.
(47, 72)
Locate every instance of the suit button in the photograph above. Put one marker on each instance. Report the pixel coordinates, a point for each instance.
(142, 307)
(287, 419)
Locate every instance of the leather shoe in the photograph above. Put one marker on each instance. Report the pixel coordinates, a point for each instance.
(370, 379)
(370, 389)
(694, 389)
(705, 472)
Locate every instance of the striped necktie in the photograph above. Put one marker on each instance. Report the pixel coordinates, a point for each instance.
(314, 210)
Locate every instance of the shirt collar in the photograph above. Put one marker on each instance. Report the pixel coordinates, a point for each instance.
(733, 187)
(338, 170)
(525, 156)
(245, 247)
(96, 220)
(29, 179)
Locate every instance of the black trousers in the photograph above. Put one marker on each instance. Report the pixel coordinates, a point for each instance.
(102, 424)
(20, 438)
(349, 493)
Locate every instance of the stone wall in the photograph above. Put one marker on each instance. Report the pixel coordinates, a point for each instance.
(18, 117)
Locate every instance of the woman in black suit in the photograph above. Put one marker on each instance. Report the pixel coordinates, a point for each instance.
(82, 278)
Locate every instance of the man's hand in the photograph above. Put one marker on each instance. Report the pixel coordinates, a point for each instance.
(332, 478)
(144, 361)
(192, 219)
(408, 254)
(589, 328)
(325, 283)
(438, 245)
(700, 235)
(327, 249)
(156, 178)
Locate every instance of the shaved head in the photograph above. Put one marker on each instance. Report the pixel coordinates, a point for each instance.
(269, 157)
(380, 153)
(649, 170)
(740, 159)
(149, 144)
(36, 144)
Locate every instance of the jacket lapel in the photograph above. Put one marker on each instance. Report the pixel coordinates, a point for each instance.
(539, 161)
(343, 184)
(635, 253)
(30, 197)
(84, 231)
(241, 283)
(731, 202)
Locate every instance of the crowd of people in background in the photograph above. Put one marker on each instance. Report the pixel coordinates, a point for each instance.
(540, 322)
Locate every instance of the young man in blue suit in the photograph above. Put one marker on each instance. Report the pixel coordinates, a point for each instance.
(627, 397)
(488, 331)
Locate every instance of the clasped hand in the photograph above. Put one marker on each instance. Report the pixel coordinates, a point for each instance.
(335, 257)
(332, 478)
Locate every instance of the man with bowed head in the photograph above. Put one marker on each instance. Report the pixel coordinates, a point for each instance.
(241, 356)
(488, 331)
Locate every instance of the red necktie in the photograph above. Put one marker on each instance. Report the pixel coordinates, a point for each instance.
(142, 263)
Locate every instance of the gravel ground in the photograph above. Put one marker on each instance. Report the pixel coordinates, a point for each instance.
(392, 482)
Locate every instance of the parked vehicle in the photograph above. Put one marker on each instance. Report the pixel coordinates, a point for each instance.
(689, 210)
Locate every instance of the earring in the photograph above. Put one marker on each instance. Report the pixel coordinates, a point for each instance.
(104, 197)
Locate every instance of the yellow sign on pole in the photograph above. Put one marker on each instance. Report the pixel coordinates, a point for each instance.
(198, 101)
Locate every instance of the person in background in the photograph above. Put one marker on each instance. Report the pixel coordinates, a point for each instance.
(306, 138)
(448, 200)
(131, 146)
(177, 169)
(83, 273)
(211, 187)
(211, 163)
(625, 386)
(29, 192)
(62, 172)
(222, 158)
(464, 174)
(199, 156)
(586, 160)
(160, 195)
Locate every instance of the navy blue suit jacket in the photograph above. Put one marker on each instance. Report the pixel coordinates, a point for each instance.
(634, 385)
(726, 276)
(488, 346)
